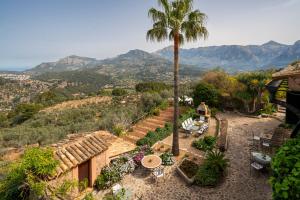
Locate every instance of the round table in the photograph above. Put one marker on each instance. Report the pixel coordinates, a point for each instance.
(151, 161)
(261, 158)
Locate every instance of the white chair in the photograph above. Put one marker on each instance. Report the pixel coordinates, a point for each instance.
(158, 174)
(116, 189)
(256, 166)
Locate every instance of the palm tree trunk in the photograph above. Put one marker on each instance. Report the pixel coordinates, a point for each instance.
(175, 145)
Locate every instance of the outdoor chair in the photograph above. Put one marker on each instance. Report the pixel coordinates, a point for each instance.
(158, 174)
(203, 128)
(256, 166)
(188, 126)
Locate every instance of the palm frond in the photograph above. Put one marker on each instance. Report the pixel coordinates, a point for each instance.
(165, 5)
(157, 34)
(194, 26)
(156, 15)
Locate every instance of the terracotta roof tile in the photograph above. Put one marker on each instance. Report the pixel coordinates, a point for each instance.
(78, 150)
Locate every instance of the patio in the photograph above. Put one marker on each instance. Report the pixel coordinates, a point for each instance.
(238, 184)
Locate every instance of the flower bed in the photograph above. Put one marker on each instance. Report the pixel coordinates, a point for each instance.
(205, 144)
(154, 136)
(115, 172)
(187, 170)
(167, 158)
(211, 172)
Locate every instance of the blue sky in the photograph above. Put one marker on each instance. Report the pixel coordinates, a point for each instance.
(35, 31)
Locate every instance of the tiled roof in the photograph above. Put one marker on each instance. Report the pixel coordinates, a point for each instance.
(77, 149)
(289, 71)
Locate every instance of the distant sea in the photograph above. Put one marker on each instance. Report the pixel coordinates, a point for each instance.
(15, 69)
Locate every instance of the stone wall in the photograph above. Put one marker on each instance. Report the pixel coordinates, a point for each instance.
(222, 139)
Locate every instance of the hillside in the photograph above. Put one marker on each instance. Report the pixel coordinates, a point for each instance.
(123, 70)
(236, 57)
(69, 63)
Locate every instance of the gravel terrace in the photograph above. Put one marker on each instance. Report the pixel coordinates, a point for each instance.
(238, 184)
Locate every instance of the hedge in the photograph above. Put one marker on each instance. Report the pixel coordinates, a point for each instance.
(154, 136)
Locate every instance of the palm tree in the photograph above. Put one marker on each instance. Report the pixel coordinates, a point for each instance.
(178, 22)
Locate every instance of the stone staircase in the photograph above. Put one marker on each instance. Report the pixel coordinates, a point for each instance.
(281, 109)
(140, 129)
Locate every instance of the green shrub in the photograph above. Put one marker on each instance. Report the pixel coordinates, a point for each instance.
(151, 87)
(155, 112)
(119, 130)
(152, 137)
(190, 113)
(206, 176)
(216, 160)
(207, 93)
(213, 111)
(150, 101)
(268, 109)
(164, 105)
(28, 177)
(212, 170)
(104, 92)
(167, 158)
(119, 92)
(205, 144)
(88, 196)
(24, 112)
(285, 166)
(107, 178)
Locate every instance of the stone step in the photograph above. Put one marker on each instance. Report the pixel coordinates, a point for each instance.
(156, 121)
(131, 138)
(142, 129)
(164, 119)
(138, 134)
(152, 124)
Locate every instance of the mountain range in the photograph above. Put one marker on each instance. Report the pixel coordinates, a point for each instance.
(232, 58)
(236, 57)
(125, 69)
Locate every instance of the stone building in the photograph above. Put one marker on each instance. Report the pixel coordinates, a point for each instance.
(288, 79)
(81, 157)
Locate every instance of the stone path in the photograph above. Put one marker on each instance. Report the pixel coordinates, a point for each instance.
(149, 124)
(239, 184)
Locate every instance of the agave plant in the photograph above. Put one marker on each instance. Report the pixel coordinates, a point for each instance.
(216, 160)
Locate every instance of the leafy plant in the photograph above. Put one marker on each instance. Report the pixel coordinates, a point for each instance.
(206, 176)
(119, 92)
(216, 161)
(138, 157)
(155, 111)
(107, 178)
(190, 113)
(212, 170)
(28, 177)
(151, 87)
(205, 144)
(167, 158)
(285, 166)
(119, 130)
(153, 136)
(89, 196)
(207, 93)
(121, 195)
